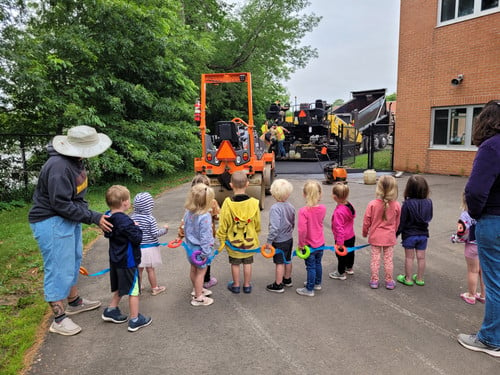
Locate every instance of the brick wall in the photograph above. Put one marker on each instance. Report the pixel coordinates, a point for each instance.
(429, 57)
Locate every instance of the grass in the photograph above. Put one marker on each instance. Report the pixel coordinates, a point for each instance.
(22, 307)
(381, 161)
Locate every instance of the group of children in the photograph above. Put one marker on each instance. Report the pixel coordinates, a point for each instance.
(134, 241)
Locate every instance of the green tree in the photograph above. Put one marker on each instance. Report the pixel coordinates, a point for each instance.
(76, 63)
(391, 97)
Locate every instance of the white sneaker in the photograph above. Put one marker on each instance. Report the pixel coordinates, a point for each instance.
(66, 327)
(316, 286)
(204, 301)
(305, 292)
(336, 275)
(205, 292)
(86, 305)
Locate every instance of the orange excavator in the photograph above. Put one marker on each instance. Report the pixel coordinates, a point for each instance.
(234, 145)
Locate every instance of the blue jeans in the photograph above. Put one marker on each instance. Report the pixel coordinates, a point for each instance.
(314, 269)
(281, 148)
(488, 243)
(60, 242)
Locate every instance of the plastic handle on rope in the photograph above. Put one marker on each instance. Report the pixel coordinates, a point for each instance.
(175, 243)
(304, 253)
(267, 252)
(196, 259)
(340, 250)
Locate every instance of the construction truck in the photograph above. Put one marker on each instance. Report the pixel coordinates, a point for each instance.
(336, 132)
(234, 145)
(314, 131)
(369, 113)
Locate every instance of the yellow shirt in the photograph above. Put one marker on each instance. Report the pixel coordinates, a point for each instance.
(280, 133)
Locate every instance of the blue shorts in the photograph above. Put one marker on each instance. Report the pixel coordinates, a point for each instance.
(60, 242)
(415, 242)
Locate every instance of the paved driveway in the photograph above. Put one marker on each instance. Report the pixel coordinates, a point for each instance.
(347, 328)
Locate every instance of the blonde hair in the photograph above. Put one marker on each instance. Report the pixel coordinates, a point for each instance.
(116, 195)
(281, 189)
(463, 205)
(239, 180)
(341, 191)
(312, 192)
(200, 179)
(199, 199)
(387, 190)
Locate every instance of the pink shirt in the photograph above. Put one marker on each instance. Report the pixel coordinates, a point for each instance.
(310, 225)
(342, 224)
(381, 232)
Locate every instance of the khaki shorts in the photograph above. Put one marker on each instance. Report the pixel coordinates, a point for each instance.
(238, 261)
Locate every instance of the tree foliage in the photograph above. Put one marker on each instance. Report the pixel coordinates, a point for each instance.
(131, 69)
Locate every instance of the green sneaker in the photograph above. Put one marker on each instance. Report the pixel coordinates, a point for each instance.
(418, 282)
(402, 279)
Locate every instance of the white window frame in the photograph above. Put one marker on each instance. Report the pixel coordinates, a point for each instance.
(469, 118)
(476, 13)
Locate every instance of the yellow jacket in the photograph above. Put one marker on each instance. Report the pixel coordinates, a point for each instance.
(239, 223)
(280, 133)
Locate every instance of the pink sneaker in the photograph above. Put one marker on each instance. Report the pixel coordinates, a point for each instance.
(210, 283)
(471, 300)
(374, 284)
(479, 298)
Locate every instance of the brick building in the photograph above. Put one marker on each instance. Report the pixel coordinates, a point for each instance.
(441, 41)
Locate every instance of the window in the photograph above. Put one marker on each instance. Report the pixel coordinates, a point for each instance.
(451, 11)
(452, 127)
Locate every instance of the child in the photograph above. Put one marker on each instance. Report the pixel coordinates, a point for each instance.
(416, 213)
(209, 281)
(466, 233)
(280, 236)
(199, 236)
(239, 223)
(343, 230)
(150, 250)
(380, 223)
(124, 257)
(310, 228)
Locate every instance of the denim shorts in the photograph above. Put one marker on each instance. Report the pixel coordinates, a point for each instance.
(415, 242)
(60, 242)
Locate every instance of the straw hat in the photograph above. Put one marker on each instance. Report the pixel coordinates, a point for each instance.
(82, 141)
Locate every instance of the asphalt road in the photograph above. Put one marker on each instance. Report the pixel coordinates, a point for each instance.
(347, 328)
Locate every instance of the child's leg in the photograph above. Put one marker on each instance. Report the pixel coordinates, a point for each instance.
(482, 293)
(349, 260)
(288, 270)
(133, 303)
(152, 277)
(199, 274)
(310, 262)
(235, 272)
(115, 300)
(206, 278)
(319, 268)
(472, 275)
(420, 264)
(247, 274)
(409, 256)
(140, 275)
(341, 265)
(280, 271)
(388, 264)
(375, 262)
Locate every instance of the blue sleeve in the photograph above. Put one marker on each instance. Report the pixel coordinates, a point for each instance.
(206, 236)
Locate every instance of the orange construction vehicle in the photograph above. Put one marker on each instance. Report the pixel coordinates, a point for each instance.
(233, 146)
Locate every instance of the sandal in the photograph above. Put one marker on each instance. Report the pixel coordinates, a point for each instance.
(233, 289)
(418, 282)
(402, 279)
(479, 298)
(247, 289)
(471, 300)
